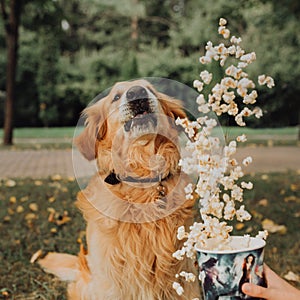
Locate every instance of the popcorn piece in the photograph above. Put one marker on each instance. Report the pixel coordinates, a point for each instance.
(181, 234)
(222, 22)
(178, 288)
(247, 161)
(242, 214)
(224, 31)
(198, 85)
(241, 138)
(206, 77)
(247, 185)
(262, 234)
(269, 81)
(189, 277)
(235, 40)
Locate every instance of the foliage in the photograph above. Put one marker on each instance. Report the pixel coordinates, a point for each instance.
(71, 50)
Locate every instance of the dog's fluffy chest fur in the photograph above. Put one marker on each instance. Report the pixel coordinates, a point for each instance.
(133, 258)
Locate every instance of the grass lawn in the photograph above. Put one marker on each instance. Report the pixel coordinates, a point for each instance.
(34, 132)
(61, 137)
(25, 205)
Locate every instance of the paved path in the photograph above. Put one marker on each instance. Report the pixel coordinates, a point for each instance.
(44, 163)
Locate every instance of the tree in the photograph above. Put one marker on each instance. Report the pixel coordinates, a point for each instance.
(11, 25)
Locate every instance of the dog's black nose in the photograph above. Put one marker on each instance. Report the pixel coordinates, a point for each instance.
(136, 92)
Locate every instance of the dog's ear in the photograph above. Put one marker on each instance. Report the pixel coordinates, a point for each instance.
(94, 131)
(172, 107)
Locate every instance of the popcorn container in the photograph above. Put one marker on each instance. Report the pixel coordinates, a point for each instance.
(223, 272)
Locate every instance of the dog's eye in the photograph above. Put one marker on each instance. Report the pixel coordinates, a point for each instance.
(116, 97)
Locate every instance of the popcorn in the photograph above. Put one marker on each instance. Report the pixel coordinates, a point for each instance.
(269, 81)
(219, 186)
(222, 22)
(178, 288)
(247, 161)
(198, 85)
(262, 234)
(189, 277)
(241, 138)
(206, 77)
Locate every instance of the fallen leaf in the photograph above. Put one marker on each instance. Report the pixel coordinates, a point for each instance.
(56, 177)
(38, 182)
(24, 199)
(36, 256)
(10, 211)
(272, 227)
(291, 199)
(239, 226)
(6, 219)
(292, 276)
(51, 199)
(265, 177)
(294, 187)
(13, 199)
(263, 202)
(282, 192)
(30, 216)
(53, 230)
(20, 209)
(51, 210)
(297, 214)
(33, 207)
(10, 183)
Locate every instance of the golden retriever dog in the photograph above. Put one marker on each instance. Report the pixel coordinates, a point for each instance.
(134, 204)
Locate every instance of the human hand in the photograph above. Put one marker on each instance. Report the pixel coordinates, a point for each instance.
(278, 288)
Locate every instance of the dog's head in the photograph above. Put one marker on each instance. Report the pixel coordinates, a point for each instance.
(129, 126)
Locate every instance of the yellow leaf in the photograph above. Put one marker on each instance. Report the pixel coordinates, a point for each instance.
(239, 226)
(36, 256)
(56, 177)
(263, 202)
(20, 209)
(10, 183)
(33, 207)
(24, 199)
(292, 276)
(272, 227)
(30, 216)
(51, 199)
(10, 211)
(290, 199)
(38, 182)
(294, 187)
(6, 218)
(12, 199)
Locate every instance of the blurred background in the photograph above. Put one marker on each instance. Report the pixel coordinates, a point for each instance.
(71, 50)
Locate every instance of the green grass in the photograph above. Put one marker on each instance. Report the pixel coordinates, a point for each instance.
(51, 132)
(61, 137)
(22, 235)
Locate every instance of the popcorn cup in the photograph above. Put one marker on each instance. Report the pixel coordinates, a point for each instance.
(223, 272)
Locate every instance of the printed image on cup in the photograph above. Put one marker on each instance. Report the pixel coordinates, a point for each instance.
(223, 272)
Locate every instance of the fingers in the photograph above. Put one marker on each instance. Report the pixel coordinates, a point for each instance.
(255, 290)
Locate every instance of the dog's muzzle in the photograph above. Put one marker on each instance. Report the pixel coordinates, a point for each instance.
(138, 113)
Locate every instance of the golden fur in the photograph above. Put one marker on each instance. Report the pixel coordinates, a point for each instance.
(131, 230)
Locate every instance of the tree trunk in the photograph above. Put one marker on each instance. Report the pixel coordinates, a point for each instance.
(135, 29)
(11, 29)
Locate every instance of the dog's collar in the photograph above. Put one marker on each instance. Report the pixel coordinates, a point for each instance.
(114, 179)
